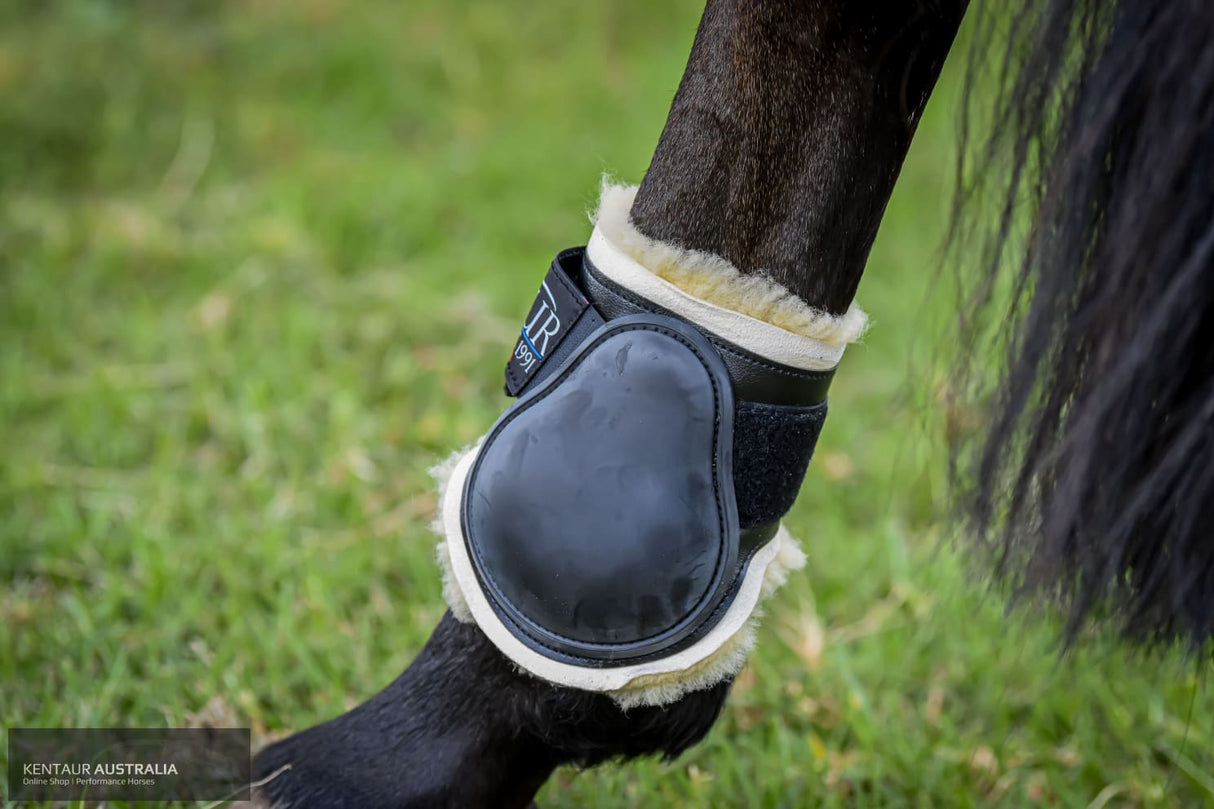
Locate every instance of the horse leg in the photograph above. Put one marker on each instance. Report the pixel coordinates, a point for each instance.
(788, 132)
(781, 150)
(462, 727)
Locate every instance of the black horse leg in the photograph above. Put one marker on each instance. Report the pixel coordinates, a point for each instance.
(780, 153)
(788, 132)
(461, 727)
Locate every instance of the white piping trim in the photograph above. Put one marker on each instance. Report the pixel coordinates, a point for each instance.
(618, 679)
(749, 309)
(768, 341)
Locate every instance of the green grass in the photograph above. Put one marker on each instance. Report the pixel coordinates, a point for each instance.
(260, 264)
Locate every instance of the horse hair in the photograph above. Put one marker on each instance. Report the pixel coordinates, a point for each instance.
(1092, 488)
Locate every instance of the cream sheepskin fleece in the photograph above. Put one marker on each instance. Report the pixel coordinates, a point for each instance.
(714, 280)
(441, 472)
(750, 310)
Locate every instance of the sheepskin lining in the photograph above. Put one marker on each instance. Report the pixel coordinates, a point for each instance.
(708, 279)
(441, 472)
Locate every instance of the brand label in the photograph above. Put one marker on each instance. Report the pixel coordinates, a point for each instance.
(557, 307)
(75, 765)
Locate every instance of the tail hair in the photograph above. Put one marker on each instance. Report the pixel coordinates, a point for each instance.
(1091, 483)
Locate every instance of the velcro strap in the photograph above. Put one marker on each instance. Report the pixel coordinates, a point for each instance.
(558, 306)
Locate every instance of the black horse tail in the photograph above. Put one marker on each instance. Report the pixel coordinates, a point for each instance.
(1091, 486)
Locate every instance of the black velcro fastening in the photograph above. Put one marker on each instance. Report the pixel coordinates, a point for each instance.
(772, 445)
(558, 306)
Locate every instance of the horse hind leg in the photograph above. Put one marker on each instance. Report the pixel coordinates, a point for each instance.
(462, 727)
(779, 155)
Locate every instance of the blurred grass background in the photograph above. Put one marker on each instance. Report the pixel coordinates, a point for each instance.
(260, 265)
